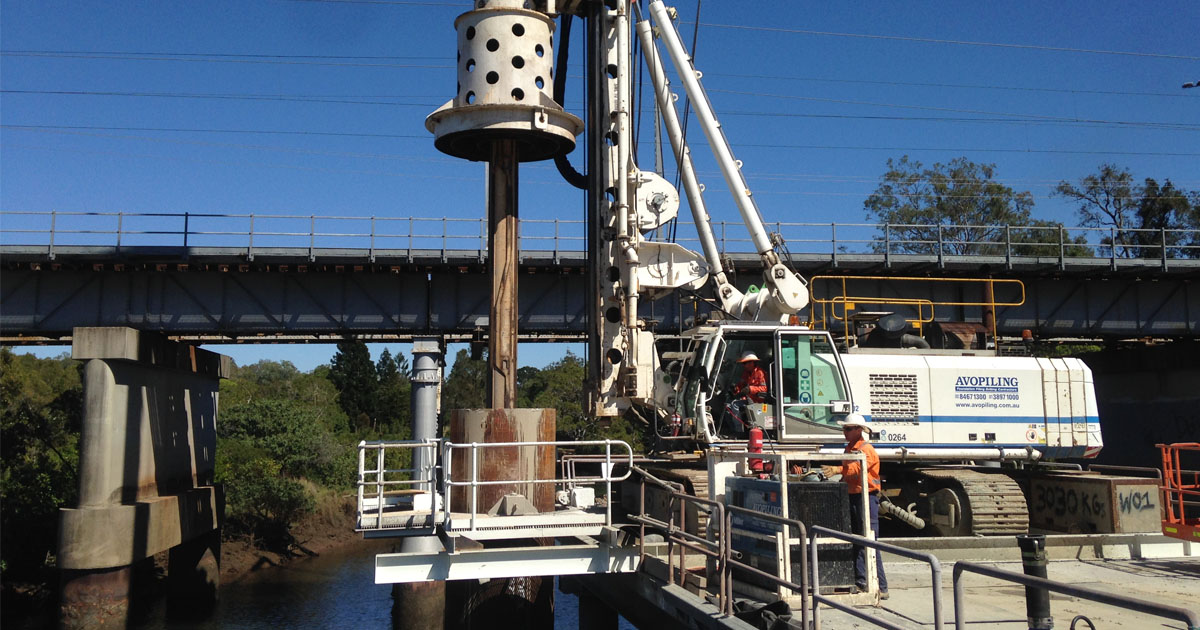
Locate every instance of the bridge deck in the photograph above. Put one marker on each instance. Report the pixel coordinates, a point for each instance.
(290, 294)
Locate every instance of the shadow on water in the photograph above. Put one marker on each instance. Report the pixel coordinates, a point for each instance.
(334, 590)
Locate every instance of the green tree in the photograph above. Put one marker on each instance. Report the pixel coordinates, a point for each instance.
(265, 378)
(353, 374)
(1193, 223)
(293, 435)
(1105, 199)
(260, 499)
(1140, 216)
(559, 386)
(317, 392)
(955, 209)
(1167, 210)
(466, 387)
(394, 398)
(41, 403)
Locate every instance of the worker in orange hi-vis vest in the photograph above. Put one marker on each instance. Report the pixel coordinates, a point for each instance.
(856, 430)
(753, 384)
(751, 388)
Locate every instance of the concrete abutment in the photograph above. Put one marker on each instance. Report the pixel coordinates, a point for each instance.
(147, 453)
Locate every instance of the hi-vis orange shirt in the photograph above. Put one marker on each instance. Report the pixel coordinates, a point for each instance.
(852, 469)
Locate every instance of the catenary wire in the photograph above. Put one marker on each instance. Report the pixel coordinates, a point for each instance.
(956, 42)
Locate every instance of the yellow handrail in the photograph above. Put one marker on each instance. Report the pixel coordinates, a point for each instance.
(848, 301)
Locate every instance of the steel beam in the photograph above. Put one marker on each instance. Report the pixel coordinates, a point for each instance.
(479, 564)
(289, 302)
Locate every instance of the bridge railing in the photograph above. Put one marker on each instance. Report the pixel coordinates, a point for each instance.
(368, 234)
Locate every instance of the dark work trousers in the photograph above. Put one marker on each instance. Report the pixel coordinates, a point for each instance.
(860, 563)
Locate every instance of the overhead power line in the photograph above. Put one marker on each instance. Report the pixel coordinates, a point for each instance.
(85, 53)
(1012, 117)
(960, 150)
(415, 3)
(241, 97)
(941, 109)
(287, 60)
(957, 86)
(956, 42)
(356, 61)
(210, 130)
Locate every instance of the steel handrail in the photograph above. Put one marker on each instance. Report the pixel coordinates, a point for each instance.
(680, 536)
(1171, 245)
(1133, 469)
(474, 482)
(935, 569)
(1176, 492)
(1082, 592)
(568, 462)
(802, 587)
(381, 481)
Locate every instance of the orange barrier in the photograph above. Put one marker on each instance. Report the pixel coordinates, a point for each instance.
(1181, 493)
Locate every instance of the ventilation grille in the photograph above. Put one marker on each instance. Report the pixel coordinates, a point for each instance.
(894, 398)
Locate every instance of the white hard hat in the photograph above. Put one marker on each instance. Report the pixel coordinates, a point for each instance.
(855, 420)
(748, 356)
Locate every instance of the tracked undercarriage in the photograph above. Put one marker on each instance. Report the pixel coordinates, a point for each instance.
(962, 502)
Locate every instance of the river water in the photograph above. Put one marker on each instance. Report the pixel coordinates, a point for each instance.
(335, 590)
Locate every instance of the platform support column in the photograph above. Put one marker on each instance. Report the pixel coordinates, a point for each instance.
(422, 605)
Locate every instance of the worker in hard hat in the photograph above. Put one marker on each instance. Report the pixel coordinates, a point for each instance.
(751, 388)
(856, 431)
(753, 384)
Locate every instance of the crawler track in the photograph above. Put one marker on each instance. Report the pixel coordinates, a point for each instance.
(992, 503)
(695, 483)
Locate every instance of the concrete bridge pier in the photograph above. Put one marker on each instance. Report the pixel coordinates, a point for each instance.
(146, 461)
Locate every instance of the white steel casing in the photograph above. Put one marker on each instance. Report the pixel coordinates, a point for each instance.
(976, 405)
(504, 87)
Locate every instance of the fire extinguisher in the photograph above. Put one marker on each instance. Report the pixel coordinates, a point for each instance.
(756, 446)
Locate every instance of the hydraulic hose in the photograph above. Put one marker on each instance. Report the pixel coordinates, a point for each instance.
(564, 166)
(904, 515)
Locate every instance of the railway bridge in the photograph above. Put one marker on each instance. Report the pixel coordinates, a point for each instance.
(264, 279)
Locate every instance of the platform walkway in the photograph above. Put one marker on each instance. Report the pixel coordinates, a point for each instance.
(992, 603)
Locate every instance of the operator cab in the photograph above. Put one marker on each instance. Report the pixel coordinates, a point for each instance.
(807, 390)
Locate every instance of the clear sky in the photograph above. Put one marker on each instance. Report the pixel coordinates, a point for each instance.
(317, 107)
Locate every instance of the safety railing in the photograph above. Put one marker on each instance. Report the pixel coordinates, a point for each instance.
(718, 546)
(388, 482)
(935, 570)
(1180, 492)
(473, 483)
(569, 465)
(680, 540)
(1012, 294)
(785, 524)
(253, 233)
(1191, 618)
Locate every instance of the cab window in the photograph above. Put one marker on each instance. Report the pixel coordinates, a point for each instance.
(810, 381)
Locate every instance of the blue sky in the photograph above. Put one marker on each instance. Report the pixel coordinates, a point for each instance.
(317, 107)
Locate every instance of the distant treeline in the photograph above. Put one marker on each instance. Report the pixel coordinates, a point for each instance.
(285, 438)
